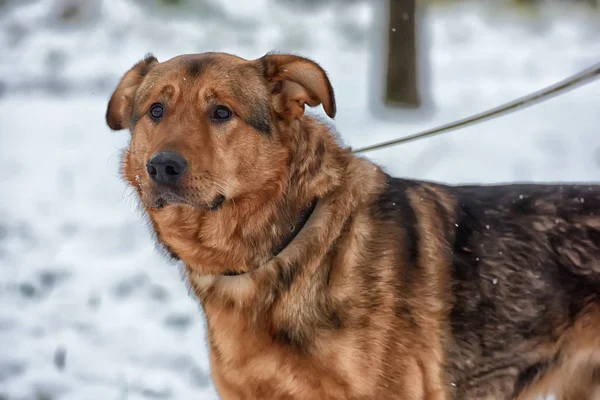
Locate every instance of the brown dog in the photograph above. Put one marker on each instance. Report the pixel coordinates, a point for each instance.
(322, 277)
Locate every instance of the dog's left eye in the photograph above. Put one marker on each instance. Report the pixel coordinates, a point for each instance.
(156, 112)
(221, 113)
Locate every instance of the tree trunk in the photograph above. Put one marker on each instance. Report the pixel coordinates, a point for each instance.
(402, 80)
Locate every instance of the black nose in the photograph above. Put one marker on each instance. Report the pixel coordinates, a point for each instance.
(166, 167)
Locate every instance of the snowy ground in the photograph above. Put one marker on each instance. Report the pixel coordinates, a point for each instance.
(88, 309)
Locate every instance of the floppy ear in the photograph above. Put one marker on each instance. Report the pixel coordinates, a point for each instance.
(295, 81)
(120, 105)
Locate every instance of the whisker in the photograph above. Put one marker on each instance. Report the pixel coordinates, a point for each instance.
(215, 176)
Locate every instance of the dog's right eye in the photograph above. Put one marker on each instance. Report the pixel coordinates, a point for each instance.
(221, 113)
(156, 112)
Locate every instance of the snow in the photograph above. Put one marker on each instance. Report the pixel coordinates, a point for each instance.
(80, 278)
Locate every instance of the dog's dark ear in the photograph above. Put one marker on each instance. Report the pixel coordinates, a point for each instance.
(295, 81)
(120, 105)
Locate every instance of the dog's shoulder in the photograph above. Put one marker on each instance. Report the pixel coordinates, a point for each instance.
(406, 202)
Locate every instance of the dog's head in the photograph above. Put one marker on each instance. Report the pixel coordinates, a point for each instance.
(212, 137)
(206, 127)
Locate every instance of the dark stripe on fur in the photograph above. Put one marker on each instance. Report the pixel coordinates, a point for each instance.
(529, 375)
(394, 208)
(196, 66)
(294, 338)
(393, 205)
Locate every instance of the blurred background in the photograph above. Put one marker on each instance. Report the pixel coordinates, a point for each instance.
(88, 308)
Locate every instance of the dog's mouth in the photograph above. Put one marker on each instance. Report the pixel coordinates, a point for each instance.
(172, 196)
(217, 202)
(233, 273)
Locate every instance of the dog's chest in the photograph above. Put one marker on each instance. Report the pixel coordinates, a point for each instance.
(248, 363)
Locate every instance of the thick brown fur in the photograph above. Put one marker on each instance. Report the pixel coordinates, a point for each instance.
(393, 289)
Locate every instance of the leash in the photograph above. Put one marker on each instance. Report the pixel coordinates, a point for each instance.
(579, 79)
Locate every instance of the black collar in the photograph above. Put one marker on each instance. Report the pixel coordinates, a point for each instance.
(302, 220)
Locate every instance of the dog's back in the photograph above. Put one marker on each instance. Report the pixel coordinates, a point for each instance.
(525, 286)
